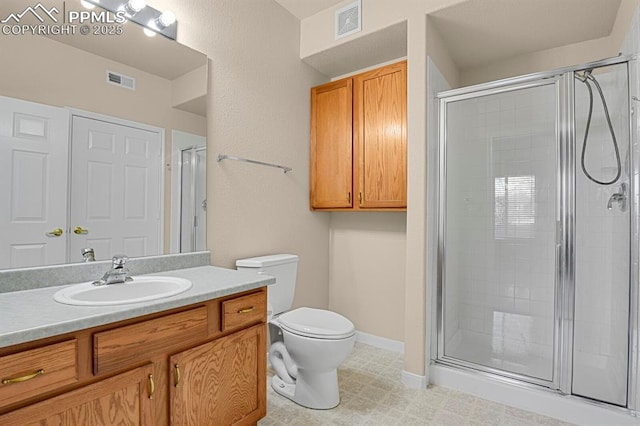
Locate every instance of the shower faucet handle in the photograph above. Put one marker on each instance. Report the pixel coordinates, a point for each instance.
(620, 198)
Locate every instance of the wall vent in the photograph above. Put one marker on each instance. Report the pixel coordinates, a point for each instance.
(121, 80)
(348, 19)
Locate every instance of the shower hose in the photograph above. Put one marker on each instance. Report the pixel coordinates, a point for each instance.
(585, 79)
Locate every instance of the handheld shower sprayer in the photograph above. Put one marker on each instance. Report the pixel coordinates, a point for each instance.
(587, 78)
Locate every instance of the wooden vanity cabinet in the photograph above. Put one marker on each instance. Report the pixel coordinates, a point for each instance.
(359, 142)
(126, 373)
(220, 382)
(118, 400)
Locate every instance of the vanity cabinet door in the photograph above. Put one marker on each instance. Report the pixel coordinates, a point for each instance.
(222, 382)
(120, 400)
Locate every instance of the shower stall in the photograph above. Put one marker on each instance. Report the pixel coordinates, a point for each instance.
(537, 231)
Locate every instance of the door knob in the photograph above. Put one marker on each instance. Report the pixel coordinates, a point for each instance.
(55, 233)
(79, 230)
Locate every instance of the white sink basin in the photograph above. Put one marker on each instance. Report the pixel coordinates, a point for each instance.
(141, 289)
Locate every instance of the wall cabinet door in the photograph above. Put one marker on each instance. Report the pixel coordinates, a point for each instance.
(380, 117)
(359, 142)
(331, 145)
(222, 382)
(120, 400)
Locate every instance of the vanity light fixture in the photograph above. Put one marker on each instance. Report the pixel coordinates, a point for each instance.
(152, 20)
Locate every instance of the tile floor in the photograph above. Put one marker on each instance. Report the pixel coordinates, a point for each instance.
(372, 394)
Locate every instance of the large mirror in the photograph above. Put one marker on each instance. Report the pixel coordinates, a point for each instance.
(102, 139)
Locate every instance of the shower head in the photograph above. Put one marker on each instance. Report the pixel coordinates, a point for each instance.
(586, 74)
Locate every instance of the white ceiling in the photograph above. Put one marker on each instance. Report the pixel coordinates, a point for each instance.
(304, 8)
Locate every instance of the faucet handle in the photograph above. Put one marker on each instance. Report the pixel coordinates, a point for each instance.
(119, 260)
(88, 254)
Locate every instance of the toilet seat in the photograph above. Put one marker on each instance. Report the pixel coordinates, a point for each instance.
(316, 323)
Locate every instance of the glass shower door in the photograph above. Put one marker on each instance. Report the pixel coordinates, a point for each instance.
(499, 162)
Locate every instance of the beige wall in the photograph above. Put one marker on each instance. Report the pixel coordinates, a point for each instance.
(366, 252)
(258, 107)
(45, 71)
(49, 72)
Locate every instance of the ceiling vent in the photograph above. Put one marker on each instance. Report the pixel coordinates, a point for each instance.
(121, 80)
(349, 19)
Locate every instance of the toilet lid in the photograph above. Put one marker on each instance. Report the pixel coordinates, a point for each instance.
(317, 323)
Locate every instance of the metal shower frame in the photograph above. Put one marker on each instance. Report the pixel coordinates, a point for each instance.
(564, 84)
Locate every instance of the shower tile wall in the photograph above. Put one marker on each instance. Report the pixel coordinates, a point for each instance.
(500, 230)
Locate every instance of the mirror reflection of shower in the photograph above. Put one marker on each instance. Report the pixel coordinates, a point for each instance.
(193, 200)
(188, 192)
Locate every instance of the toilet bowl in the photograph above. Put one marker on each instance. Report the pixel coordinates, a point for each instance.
(315, 343)
(308, 344)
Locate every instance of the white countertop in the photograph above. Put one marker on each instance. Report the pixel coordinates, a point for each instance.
(33, 314)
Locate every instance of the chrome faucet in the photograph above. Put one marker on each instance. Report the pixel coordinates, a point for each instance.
(118, 273)
(620, 198)
(88, 254)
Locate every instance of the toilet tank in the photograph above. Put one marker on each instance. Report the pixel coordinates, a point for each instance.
(283, 268)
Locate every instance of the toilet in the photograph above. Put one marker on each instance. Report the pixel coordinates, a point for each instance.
(307, 344)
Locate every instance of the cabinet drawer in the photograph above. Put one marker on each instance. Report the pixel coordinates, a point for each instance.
(118, 348)
(36, 371)
(243, 310)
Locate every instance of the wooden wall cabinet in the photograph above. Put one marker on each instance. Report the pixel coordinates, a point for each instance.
(197, 365)
(359, 142)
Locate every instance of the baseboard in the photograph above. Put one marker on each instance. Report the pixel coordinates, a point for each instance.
(414, 381)
(410, 380)
(380, 342)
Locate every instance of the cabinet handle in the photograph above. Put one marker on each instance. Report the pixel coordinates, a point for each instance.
(360, 198)
(40, 372)
(152, 386)
(177, 369)
(246, 310)
(349, 197)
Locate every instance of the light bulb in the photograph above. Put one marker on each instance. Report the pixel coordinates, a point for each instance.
(134, 6)
(87, 5)
(166, 19)
(148, 32)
